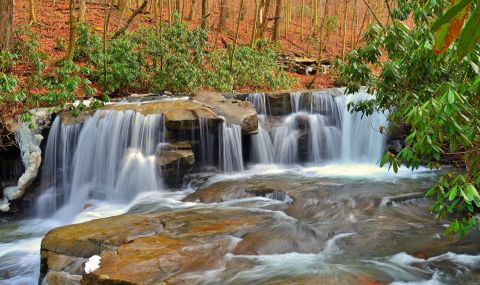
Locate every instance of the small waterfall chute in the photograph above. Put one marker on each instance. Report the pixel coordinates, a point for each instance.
(231, 153)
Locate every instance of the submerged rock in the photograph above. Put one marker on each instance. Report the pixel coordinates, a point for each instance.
(175, 160)
(150, 248)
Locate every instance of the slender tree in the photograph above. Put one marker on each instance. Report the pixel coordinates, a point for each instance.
(6, 25)
(278, 17)
(82, 9)
(344, 38)
(191, 14)
(223, 15)
(205, 14)
(73, 32)
(256, 18)
(232, 58)
(32, 18)
(302, 19)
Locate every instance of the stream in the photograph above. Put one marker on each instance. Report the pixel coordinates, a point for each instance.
(349, 221)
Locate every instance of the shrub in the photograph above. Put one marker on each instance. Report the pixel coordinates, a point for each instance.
(252, 68)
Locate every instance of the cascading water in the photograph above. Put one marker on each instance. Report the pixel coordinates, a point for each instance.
(322, 121)
(206, 142)
(262, 150)
(231, 154)
(110, 156)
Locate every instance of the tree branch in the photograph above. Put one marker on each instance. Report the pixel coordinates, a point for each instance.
(373, 13)
(130, 20)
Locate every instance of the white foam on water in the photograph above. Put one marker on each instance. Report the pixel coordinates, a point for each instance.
(403, 258)
(92, 264)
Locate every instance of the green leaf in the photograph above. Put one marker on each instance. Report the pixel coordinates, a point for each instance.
(456, 226)
(453, 193)
(450, 14)
(470, 34)
(451, 96)
(448, 32)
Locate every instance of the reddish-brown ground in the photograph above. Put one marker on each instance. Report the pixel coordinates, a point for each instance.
(53, 24)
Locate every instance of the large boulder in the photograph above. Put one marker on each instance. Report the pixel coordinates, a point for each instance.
(180, 114)
(233, 111)
(150, 248)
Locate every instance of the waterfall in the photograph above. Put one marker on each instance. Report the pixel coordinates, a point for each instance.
(231, 154)
(285, 141)
(361, 137)
(207, 139)
(321, 126)
(258, 100)
(110, 156)
(296, 100)
(262, 150)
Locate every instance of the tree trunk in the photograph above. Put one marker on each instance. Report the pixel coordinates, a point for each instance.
(264, 24)
(232, 58)
(278, 17)
(6, 25)
(344, 37)
(83, 8)
(170, 12)
(302, 20)
(73, 28)
(223, 15)
(191, 15)
(255, 21)
(205, 14)
(32, 18)
(178, 7)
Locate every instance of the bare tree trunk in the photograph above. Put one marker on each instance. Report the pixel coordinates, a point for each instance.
(170, 12)
(193, 7)
(232, 58)
(155, 16)
(72, 36)
(255, 22)
(344, 37)
(205, 14)
(264, 24)
(106, 20)
(6, 25)
(302, 19)
(32, 18)
(278, 17)
(223, 15)
(82, 9)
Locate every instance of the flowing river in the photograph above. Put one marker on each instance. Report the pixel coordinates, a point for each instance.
(349, 221)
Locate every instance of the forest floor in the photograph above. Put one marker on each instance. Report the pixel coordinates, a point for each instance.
(53, 25)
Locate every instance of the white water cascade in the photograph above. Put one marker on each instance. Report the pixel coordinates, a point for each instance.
(231, 154)
(262, 150)
(110, 156)
(320, 124)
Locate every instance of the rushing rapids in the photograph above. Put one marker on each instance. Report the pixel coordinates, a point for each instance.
(302, 201)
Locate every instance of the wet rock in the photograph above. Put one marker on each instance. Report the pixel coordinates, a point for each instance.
(285, 238)
(61, 278)
(394, 146)
(175, 160)
(227, 191)
(236, 112)
(153, 248)
(279, 103)
(180, 114)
